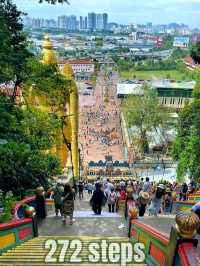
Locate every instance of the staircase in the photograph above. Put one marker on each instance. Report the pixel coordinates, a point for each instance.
(33, 252)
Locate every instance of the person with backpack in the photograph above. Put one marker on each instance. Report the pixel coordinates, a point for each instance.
(97, 200)
(142, 202)
(168, 201)
(157, 199)
(122, 194)
(183, 192)
(57, 196)
(112, 196)
(68, 203)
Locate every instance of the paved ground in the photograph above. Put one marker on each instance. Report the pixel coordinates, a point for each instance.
(89, 226)
(83, 227)
(106, 116)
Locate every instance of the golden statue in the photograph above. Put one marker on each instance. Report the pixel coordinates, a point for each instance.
(49, 56)
(73, 117)
(68, 155)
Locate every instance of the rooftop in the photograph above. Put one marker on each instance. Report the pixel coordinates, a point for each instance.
(76, 61)
(165, 83)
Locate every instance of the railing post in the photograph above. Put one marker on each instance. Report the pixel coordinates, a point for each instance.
(186, 227)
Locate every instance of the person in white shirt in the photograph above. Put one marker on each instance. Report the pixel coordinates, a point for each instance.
(147, 185)
(112, 196)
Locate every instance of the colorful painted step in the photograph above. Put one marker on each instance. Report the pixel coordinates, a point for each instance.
(183, 205)
(35, 252)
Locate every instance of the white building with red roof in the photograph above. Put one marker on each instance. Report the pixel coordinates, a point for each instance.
(78, 65)
(83, 68)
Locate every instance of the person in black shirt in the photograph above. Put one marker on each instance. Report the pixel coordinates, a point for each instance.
(80, 189)
(97, 199)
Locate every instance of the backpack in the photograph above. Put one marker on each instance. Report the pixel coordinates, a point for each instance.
(167, 202)
(122, 195)
(112, 197)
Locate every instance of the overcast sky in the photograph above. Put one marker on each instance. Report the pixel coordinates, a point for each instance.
(121, 11)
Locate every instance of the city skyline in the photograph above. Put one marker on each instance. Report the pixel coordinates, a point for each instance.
(136, 12)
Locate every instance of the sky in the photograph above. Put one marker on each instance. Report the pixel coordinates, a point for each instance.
(121, 11)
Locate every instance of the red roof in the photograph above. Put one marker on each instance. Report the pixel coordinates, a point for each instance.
(76, 61)
(190, 61)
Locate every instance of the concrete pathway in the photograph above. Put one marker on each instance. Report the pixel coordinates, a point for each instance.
(86, 224)
(93, 150)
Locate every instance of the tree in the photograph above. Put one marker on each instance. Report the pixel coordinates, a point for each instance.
(146, 114)
(186, 148)
(168, 42)
(48, 82)
(13, 44)
(25, 135)
(22, 169)
(195, 52)
(39, 129)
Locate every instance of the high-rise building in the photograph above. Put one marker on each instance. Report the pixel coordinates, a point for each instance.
(105, 21)
(67, 22)
(85, 23)
(36, 23)
(92, 21)
(97, 21)
(62, 22)
(71, 23)
(81, 23)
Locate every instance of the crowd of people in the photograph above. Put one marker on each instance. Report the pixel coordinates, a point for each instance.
(100, 127)
(150, 198)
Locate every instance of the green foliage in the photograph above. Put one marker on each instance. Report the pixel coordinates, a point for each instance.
(180, 53)
(39, 129)
(28, 132)
(99, 41)
(181, 67)
(168, 42)
(186, 148)
(195, 53)
(8, 203)
(47, 81)
(21, 168)
(146, 65)
(30, 126)
(145, 113)
(159, 74)
(9, 128)
(94, 80)
(124, 65)
(13, 43)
